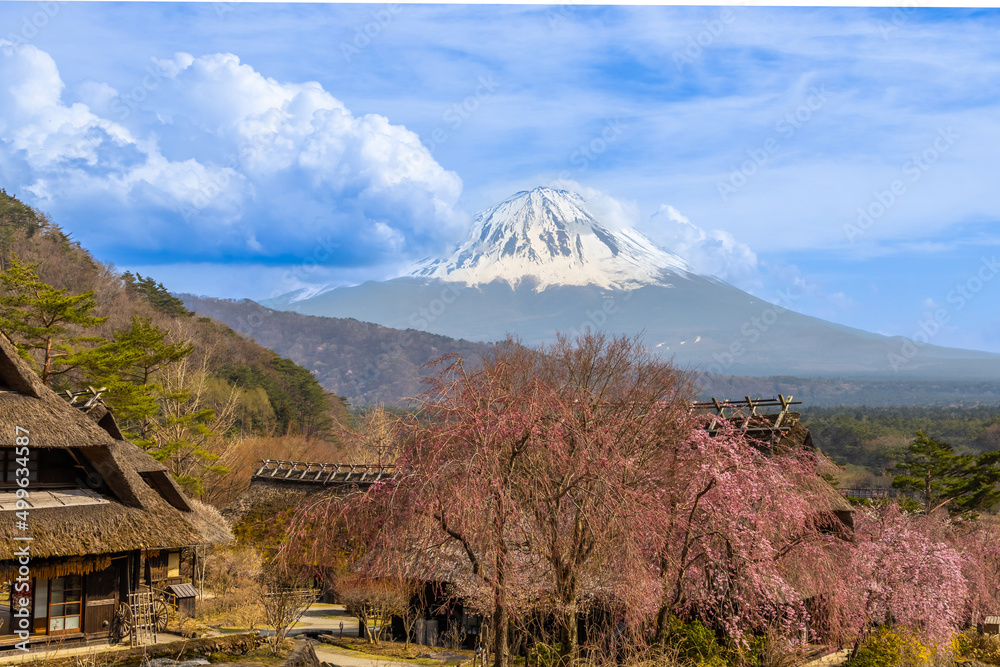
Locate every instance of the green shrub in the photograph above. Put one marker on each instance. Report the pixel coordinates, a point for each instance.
(696, 644)
(891, 647)
(545, 655)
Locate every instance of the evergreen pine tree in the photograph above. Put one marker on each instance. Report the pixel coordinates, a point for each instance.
(43, 320)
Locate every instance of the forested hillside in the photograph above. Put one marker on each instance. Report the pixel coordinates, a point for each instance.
(363, 362)
(868, 441)
(370, 364)
(193, 392)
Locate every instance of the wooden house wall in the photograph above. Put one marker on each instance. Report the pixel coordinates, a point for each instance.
(187, 606)
(102, 591)
(102, 594)
(157, 572)
(156, 567)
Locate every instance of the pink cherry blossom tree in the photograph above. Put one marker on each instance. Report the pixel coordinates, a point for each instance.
(901, 573)
(742, 538)
(555, 480)
(979, 542)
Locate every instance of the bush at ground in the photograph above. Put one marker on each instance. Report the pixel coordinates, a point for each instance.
(972, 645)
(239, 608)
(892, 647)
(693, 643)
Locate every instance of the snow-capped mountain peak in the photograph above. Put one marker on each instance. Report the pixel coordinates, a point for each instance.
(549, 236)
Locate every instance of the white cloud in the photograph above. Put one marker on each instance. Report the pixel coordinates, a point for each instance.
(97, 95)
(274, 127)
(68, 150)
(253, 167)
(611, 211)
(788, 286)
(714, 252)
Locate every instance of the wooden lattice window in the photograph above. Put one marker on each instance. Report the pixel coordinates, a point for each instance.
(65, 604)
(10, 462)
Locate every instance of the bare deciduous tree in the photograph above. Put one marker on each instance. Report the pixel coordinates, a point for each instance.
(373, 602)
(284, 597)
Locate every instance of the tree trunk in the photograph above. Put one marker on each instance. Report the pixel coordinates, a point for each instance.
(662, 617)
(570, 637)
(363, 622)
(46, 365)
(500, 622)
(927, 493)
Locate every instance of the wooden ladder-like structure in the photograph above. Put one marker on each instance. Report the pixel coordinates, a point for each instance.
(143, 617)
(327, 474)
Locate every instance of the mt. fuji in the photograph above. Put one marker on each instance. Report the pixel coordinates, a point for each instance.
(540, 263)
(549, 236)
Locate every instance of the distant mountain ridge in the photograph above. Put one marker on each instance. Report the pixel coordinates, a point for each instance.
(540, 263)
(368, 364)
(363, 362)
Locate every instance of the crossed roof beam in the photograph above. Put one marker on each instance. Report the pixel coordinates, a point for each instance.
(744, 415)
(323, 473)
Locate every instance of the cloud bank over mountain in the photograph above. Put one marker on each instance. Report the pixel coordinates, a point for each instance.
(709, 251)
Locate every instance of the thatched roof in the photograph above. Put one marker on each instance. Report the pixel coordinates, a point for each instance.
(205, 519)
(209, 522)
(279, 486)
(270, 498)
(140, 506)
(797, 436)
(140, 518)
(26, 402)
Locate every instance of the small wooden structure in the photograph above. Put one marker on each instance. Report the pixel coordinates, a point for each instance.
(991, 625)
(771, 426)
(280, 486)
(184, 596)
(88, 523)
(328, 474)
(766, 420)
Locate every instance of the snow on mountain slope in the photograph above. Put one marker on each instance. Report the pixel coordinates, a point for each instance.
(549, 236)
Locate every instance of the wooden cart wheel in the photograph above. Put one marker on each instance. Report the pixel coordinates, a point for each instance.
(124, 623)
(161, 611)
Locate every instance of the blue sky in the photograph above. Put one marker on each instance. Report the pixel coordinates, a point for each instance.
(243, 150)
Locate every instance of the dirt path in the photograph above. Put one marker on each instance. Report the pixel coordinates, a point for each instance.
(328, 618)
(344, 658)
(831, 660)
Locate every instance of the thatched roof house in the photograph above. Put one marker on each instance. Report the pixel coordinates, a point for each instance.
(773, 426)
(86, 517)
(280, 486)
